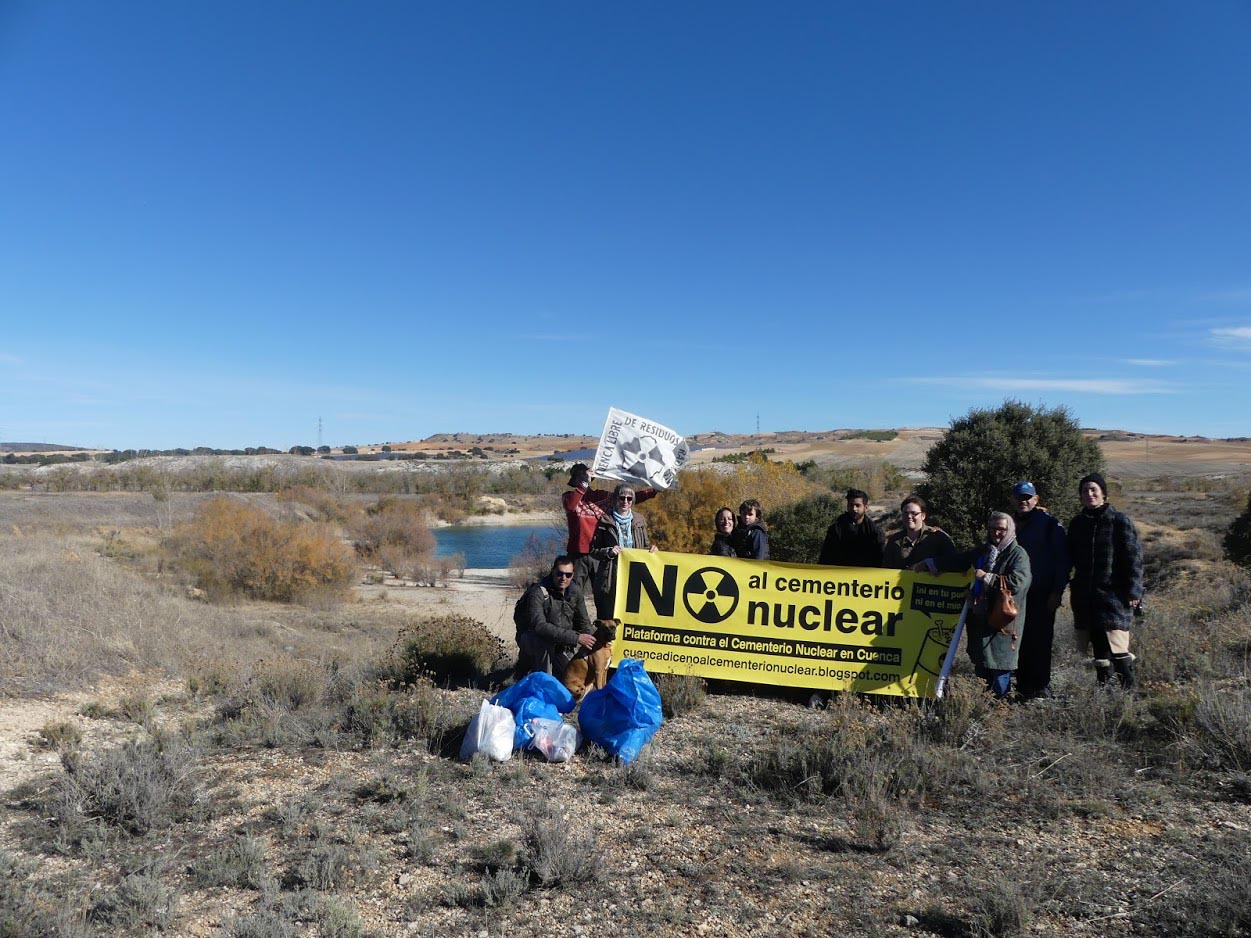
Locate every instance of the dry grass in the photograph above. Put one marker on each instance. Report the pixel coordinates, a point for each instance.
(67, 614)
(308, 797)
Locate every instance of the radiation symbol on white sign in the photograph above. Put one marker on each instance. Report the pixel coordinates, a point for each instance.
(642, 457)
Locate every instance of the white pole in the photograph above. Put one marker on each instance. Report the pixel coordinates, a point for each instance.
(950, 658)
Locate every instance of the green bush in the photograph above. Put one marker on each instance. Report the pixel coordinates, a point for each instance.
(971, 470)
(450, 649)
(1238, 538)
(796, 532)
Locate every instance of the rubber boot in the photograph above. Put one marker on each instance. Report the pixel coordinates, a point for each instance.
(1103, 671)
(1126, 670)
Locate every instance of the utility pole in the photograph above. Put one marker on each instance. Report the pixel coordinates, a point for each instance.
(319, 433)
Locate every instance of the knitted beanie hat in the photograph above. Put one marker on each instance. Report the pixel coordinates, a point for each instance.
(1096, 478)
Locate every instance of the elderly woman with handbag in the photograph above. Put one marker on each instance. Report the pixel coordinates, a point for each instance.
(996, 616)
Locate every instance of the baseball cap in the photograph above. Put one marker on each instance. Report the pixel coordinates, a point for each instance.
(1024, 490)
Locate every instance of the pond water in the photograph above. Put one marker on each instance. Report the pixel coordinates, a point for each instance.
(491, 545)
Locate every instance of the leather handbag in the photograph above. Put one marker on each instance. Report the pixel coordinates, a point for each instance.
(1003, 610)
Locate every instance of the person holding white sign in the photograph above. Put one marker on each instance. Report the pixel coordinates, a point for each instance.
(584, 507)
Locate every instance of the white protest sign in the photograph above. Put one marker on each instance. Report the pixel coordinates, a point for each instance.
(635, 449)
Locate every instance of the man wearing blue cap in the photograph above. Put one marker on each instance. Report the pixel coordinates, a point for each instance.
(1043, 537)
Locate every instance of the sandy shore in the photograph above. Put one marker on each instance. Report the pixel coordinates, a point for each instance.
(512, 519)
(483, 593)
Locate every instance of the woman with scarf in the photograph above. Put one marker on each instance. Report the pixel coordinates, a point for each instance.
(619, 529)
(999, 564)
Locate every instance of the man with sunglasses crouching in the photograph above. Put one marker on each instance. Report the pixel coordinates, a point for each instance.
(552, 623)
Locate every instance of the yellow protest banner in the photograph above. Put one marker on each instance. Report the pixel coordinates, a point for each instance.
(836, 628)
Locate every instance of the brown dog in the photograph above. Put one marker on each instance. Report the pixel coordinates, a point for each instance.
(589, 668)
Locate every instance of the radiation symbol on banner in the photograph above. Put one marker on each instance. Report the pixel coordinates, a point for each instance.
(710, 595)
(642, 458)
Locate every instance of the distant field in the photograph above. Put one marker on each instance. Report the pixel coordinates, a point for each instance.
(1129, 455)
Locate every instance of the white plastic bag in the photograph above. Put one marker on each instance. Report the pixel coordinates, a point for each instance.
(556, 739)
(491, 731)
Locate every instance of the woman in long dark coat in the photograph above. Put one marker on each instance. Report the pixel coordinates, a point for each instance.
(999, 564)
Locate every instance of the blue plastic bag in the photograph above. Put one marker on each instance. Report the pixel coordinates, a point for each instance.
(625, 714)
(536, 684)
(535, 695)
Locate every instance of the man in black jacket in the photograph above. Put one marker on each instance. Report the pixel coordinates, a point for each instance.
(552, 622)
(1044, 539)
(1106, 590)
(854, 539)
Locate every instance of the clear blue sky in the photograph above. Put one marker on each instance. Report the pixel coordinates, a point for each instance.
(222, 221)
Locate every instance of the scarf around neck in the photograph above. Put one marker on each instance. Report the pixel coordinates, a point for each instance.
(625, 528)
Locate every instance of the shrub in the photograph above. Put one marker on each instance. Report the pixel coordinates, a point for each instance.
(137, 787)
(324, 505)
(559, 850)
(502, 888)
(429, 570)
(139, 900)
(393, 534)
(1238, 538)
(376, 714)
(970, 471)
(265, 923)
(680, 693)
(850, 751)
(796, 532)
(1222, 725)
(60, 735)
(961, 717)
(327, 866)
(26, 910)
(998, 908)
(532, 562)
(450, 649)
(231, 547)
(240, 863)
(682, 519)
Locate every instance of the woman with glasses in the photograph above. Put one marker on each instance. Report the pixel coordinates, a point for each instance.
(918, 547)
(619, 529)
(1000, 565)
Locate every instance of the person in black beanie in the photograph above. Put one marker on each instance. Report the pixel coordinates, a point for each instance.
(1106, 589)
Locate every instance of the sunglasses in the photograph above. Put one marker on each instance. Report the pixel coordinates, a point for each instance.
(563, 575)
(625, 498)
